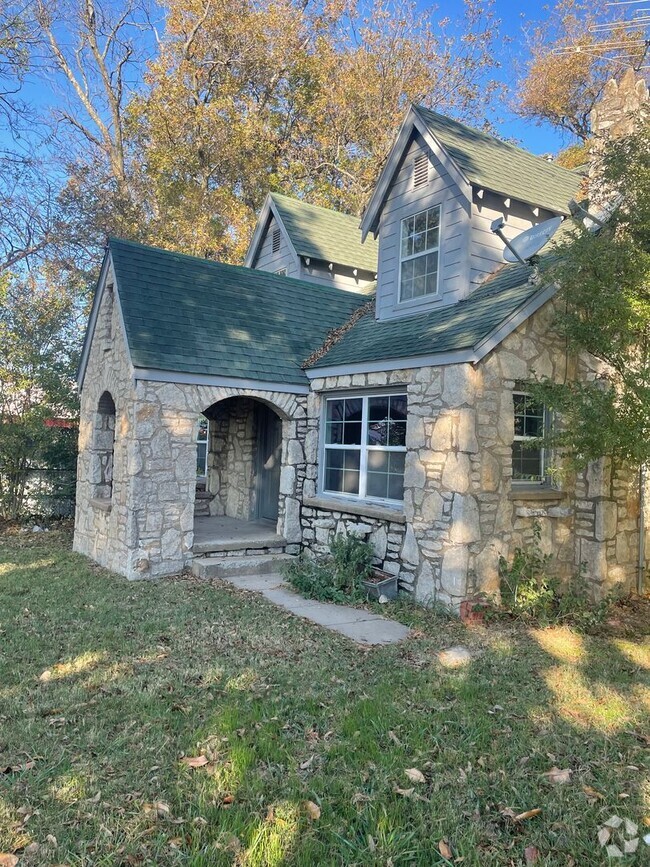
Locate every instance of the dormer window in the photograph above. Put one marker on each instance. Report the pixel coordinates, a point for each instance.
(419, 248)
(420, 170)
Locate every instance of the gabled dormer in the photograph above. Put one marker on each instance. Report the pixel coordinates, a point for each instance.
(312, 243)
(441, 188)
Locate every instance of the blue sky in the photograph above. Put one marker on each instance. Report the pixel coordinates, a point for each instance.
(514, 14)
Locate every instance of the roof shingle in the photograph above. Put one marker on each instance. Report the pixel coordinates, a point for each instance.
(192, 315)
(330, 236)
(502, 167)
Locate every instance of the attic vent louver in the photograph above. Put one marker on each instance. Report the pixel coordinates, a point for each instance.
(276, 240)
(420, 170)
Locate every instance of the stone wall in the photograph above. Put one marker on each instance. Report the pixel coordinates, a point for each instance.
(104, 524)
(461, 509)
(232, 458)
(164, 478)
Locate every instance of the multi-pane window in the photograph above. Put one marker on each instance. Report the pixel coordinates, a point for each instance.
(528, 458)
(202, 447)
(419, 249)
(365, 445)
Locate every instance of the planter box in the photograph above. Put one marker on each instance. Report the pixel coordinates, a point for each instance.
(473, 611)
(381, 584)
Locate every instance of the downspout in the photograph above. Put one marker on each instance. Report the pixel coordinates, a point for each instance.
(641, 566)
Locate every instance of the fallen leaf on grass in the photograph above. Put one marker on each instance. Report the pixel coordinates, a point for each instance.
(313, 810)
(158, 810)
(445, 849)
(557, 776)
(307, 763)
(405, 793)
(415, 776)
(527, 814)
(531, 854)
(7, 860)
(16, 769)
(195, 761)
(593, 794)
(394, 739)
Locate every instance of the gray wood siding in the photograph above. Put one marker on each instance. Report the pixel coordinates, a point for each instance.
(404, 201)
(486, 248)
(267, 260)
(340, 276)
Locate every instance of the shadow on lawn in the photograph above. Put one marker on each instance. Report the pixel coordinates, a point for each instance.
(288, 715)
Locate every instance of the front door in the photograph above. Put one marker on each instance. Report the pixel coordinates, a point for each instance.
(269, 457)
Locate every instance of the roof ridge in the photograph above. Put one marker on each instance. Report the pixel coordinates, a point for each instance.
(492, 138)
(305, 204)
(251, 273)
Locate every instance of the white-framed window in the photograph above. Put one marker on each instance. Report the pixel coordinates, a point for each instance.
(528, 456)
(281, 272)
(365, 446)
(202, 447)
(419, 254)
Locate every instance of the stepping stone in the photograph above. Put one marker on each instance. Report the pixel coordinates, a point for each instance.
(354, 623)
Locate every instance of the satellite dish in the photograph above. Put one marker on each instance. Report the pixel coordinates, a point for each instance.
(532, 240)
(525, 245)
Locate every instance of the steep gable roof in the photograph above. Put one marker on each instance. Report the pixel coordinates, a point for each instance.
(502, 167)
(196, 316)
(475, 158)
(318, 233)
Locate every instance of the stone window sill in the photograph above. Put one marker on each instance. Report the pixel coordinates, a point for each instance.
(101, 504)
(529, 492)
(367, 510)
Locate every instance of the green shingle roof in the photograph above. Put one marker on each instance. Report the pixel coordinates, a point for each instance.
(501, 167)
(460, 326)
(191, 315)
(327, 235)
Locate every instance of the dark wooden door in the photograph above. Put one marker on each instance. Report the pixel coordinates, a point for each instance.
(269, 457)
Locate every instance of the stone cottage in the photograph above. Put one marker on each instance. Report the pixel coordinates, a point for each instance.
(369, 380)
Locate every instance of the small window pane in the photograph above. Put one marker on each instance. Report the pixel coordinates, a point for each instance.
(334, 433)
(201, 456)
(334, 480)
(398, 407)
(396, 487)
(352, 433)
(397, 434)
(378, 461)
(526, 463)
(378, 433)
(351, 482)
(335, 410)
(377, 485)
(335, 458)
(377, 408)
(397, 462)
(353, 409)
(351, 459)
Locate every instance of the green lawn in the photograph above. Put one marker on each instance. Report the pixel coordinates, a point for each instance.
(106, 685)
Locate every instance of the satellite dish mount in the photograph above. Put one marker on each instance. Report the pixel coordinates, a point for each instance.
(528, 243)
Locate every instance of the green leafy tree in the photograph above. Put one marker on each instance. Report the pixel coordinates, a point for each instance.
(604, 280)
(39, 339)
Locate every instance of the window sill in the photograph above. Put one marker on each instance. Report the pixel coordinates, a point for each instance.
(530, 492)
(331, 504)
(101, 504)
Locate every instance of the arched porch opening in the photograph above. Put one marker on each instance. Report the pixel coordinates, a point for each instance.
(238, 495)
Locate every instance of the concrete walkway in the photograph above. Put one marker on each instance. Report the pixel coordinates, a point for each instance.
(355, 623)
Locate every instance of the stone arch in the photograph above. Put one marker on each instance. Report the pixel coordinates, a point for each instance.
(103, 447)
(246, 438)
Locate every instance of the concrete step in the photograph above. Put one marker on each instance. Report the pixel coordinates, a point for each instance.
(254, 539)
(225, 567)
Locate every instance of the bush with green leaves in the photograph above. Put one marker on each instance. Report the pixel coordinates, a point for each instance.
(530, 590)
(336, 577)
